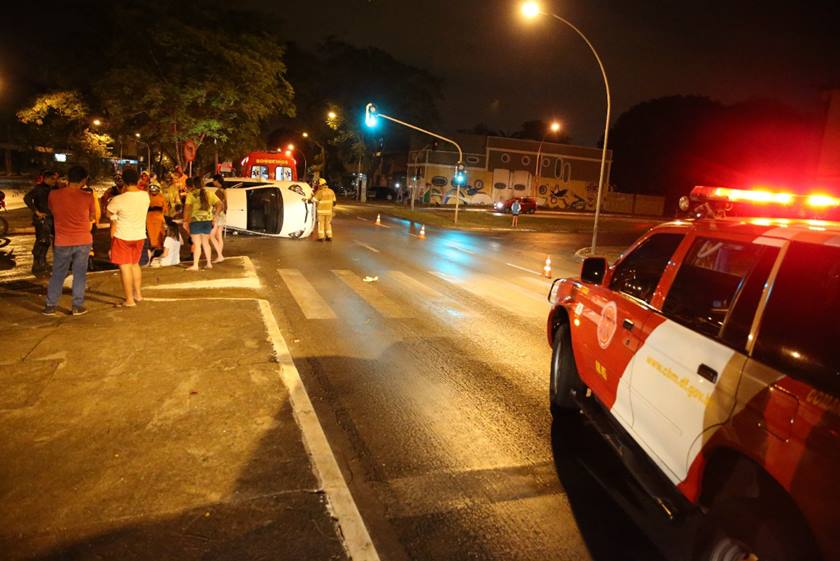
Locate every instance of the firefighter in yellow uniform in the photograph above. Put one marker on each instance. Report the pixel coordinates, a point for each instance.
(325, 199)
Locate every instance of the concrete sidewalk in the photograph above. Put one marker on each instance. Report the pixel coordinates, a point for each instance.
(158, 432)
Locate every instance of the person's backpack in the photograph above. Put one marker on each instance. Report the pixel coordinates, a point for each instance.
(515, 207)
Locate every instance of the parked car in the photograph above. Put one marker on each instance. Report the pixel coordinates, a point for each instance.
(707, 356)
(271, 208)
(528, 204)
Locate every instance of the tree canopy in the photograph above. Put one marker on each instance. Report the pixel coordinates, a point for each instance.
(668, 145)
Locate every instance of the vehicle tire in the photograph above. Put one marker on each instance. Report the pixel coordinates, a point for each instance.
(564, 379)
(743, 529)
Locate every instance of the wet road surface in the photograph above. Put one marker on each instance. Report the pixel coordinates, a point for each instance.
(427, 363)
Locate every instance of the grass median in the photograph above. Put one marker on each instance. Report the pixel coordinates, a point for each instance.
(488, 220)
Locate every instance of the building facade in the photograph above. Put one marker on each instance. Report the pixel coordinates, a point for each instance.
(559, 176)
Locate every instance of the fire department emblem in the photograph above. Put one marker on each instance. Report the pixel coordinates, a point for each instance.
(607, 324)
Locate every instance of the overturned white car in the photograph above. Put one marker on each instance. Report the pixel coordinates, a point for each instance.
(270, 208)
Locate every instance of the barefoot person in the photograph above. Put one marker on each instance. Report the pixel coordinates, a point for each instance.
(128, 212)
(200, 207)
(217, 233)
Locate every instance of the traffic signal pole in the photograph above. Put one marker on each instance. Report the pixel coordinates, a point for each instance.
(372, 113)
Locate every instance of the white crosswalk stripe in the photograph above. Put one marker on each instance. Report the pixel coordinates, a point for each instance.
(514, 298)
(419, 292)
(371, 294)
(308, 299)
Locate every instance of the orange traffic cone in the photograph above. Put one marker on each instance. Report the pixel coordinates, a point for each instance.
(378, 220)
(422, 232)
(547, 268)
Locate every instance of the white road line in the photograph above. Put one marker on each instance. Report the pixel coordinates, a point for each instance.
(250, 280)
(362, 218)
(523, 269)
(307, 298)
(366, 246)
(372, 295)
(425, 294)
(500, 293)
(459, 248)
(380, 225)
(353, 531)
(357, 540)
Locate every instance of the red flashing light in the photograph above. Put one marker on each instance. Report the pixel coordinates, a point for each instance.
(761, 196)
(785, 203)
(818, 200)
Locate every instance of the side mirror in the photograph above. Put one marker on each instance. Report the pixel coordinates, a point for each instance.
(593, 270)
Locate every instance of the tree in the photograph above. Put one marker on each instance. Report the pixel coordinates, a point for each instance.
(60, 119)
(668, 145)
(344, 77)
(200, 72)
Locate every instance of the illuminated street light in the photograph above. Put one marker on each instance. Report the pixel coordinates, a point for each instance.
(290, 146)
(554, 128)
(305, 135)
(531, 10)
(332, 115)
(137, 134)
(97, 122)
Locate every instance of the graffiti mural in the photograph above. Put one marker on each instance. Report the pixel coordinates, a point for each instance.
(575, 195)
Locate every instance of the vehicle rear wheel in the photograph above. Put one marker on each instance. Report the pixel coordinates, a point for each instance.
(564, 381)
(742, 529)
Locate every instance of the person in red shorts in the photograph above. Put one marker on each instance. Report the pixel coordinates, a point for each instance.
(128, 212)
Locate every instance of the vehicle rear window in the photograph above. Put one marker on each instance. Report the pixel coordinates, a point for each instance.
(714, 276)
(800, 328)
(639, 272)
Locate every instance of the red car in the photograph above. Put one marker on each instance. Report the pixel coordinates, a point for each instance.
(528, 204)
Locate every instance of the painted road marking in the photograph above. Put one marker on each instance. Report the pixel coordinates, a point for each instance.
(366, 246)
(249, 280)
(460, 248)
(362, 218)
(354, 533)
(416, 289)
(372, 295)
(523, 269)
(500, 293)
(307, 298)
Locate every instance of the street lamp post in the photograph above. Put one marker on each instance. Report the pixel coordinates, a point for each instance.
(532, 10)
(371, 115)
(554, 128)
(291, 148)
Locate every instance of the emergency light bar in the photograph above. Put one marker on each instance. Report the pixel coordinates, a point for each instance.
(821, 201)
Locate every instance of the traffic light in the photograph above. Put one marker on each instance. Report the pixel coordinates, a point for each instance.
(460, 177)
(371, 119)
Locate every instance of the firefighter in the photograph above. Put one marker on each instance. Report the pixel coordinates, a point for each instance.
(325, 199)
(36, 200)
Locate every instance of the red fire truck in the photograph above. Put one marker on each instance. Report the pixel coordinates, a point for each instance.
(277, 166)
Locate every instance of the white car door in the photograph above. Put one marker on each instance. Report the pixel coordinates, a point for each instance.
(686, 373)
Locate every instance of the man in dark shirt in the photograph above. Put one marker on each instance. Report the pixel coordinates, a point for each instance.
(36, 199)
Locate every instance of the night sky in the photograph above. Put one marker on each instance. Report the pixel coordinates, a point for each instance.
(501, 70)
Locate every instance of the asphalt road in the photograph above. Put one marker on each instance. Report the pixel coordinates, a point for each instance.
(431, 382)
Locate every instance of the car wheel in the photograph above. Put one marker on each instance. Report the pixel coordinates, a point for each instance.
(565, 381)
(742, 529)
